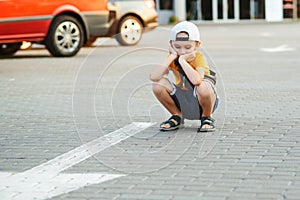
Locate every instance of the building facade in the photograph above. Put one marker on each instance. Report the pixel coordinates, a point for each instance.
(227, 10)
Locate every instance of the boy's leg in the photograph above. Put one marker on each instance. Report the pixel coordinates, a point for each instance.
(162, 90)
(206, 97)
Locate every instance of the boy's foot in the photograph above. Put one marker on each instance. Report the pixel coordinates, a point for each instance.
(207, 125)
(171, 124)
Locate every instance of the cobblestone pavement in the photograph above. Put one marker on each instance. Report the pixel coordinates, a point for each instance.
(50, 106)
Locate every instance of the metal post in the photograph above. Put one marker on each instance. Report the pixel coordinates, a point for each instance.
(225, 10)
(295, 10)
(215, 10)
(252, 9)
(199, 9)
(180, 9)
(237, 9)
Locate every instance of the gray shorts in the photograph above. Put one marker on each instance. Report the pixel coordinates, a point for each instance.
(187, 102)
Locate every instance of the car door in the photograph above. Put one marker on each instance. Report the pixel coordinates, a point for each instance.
(25, 19)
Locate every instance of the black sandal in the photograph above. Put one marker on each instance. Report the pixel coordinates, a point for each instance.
(207, 121)
(174, 123)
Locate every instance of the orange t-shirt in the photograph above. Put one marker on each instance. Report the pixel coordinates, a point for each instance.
(198, 62)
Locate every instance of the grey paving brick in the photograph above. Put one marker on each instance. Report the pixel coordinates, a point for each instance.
(253, 155)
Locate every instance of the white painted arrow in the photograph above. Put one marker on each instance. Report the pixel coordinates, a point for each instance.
(281, 48)
(46, 181)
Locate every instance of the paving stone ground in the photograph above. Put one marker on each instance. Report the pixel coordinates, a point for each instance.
(50, 106)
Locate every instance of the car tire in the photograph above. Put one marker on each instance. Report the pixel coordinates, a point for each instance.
(65, 36)
(8, 50)
(129, 31)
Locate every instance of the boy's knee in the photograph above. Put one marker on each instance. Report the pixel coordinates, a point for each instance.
(156, 87)
(160, 86)
(204, 91)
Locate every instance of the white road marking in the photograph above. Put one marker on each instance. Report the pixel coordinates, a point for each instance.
(281, 48)
(45, 181)
(43, 186)
(266, 34)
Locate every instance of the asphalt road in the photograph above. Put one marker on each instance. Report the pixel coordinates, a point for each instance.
(51, 106)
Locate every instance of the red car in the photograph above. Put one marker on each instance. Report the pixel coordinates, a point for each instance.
(64, 26)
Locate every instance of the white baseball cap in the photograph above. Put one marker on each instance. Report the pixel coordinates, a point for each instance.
(187, 27)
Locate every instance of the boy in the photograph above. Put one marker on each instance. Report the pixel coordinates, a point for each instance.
(193, 95)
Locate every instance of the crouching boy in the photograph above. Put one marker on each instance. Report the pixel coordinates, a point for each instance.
(193, 95)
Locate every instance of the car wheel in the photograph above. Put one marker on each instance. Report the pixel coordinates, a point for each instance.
(7, 50)
(65, 37)
(130, 31)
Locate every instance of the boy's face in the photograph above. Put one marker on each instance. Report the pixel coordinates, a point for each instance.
(184, 47)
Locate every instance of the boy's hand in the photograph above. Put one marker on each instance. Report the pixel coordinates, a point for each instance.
(189, 57)
(172, 51)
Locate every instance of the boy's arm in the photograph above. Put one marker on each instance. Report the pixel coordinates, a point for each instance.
(159, 71)
(195, 76)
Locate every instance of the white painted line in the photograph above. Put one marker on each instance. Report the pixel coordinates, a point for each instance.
(43, 186)
(87, 150)
(266, 34)
(44, 181)
(281, 48)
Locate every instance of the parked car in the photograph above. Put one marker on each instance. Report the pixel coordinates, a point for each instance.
(65, 26)
(133, 17)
